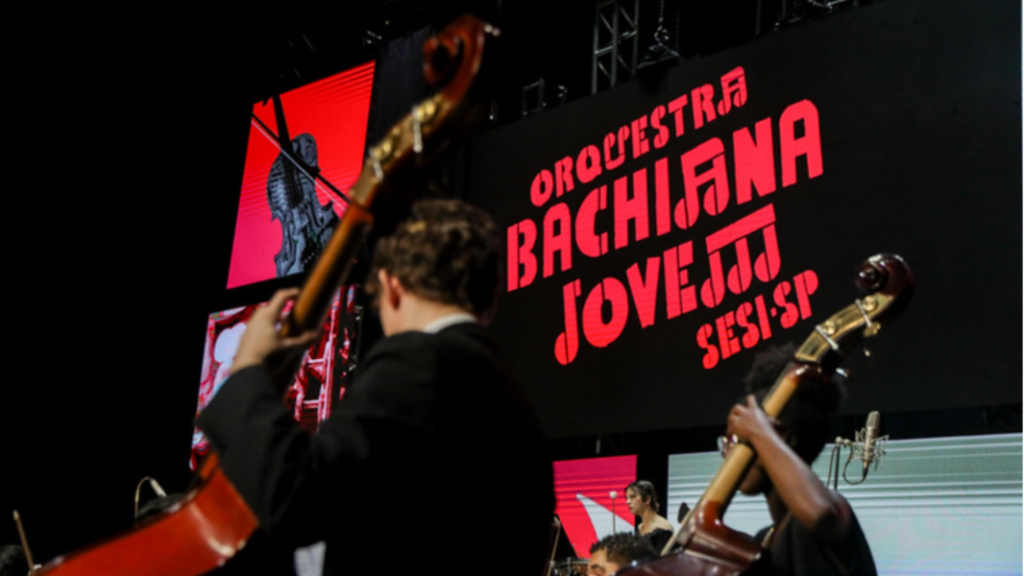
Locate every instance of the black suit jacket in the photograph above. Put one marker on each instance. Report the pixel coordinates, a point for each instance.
(433, 457)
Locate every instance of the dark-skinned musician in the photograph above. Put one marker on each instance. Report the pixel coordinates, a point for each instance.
(617, 551)
(814, 531)
(432, 423)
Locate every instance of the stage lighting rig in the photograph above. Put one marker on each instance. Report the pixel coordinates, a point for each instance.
(615, 43)
(659, 54)
(794, 11)
(535, 97)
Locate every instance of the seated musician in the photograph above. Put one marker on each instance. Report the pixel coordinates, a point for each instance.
(618, 551)
(432, 421)
(642, 499)
(814, 530)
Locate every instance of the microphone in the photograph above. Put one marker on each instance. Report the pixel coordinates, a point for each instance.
(152, 484)
(157, 487)
(870, 434)
(613, 494)
(868, 447)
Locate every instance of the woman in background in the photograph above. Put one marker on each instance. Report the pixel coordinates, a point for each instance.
(642, 499)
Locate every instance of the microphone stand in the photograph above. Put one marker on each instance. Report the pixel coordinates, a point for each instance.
(613, 495)
(867, 446)
(24, 544)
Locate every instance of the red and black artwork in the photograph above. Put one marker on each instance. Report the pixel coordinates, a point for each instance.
(584, 501)
(322, 378)
(305, 151)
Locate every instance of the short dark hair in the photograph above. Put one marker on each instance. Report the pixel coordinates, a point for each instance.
(625, 548)
(13, 561)
(647, 491)
(809, 413)
(446, 251)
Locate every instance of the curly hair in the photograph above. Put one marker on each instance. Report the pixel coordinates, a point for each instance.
(446, 251)
(625, 548)
(809, 413)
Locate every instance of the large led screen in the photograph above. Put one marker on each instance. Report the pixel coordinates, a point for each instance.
(936, 506)
(305, 150)
(320, 382)
(662, 233)
(583, 499)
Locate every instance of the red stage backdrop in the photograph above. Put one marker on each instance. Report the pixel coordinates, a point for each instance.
(583, 499)
(662, 233)
(283, 215)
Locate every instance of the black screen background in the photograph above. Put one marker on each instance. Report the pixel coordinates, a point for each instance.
(919, 107)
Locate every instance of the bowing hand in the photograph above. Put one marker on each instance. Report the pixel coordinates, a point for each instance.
(262, 344)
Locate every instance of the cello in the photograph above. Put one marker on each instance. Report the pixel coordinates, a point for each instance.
(708, 545)
(212, 521)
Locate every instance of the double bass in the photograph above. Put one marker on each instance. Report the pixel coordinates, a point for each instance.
(708, 545)
(212, 521)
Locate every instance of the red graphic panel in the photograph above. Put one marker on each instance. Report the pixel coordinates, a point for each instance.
(320, 382)
(284, 216)
(583, 499)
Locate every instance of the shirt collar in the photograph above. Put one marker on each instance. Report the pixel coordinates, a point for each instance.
(449, 320)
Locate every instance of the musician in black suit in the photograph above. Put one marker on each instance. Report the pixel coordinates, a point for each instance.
(432, 426)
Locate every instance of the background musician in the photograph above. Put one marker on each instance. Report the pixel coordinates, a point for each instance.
(642, 499)
(814, 530)
(615, 552)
